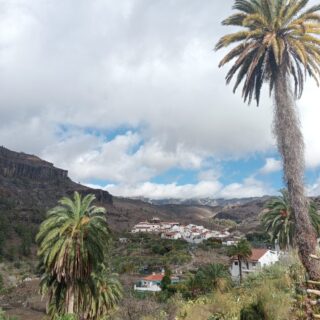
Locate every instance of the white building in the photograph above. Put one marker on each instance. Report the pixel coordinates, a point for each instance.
(152, 283)
(174, 230)
(171, 235)
(146, 226)
(259, 258)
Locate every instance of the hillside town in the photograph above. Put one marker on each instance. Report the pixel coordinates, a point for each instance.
(174, 230)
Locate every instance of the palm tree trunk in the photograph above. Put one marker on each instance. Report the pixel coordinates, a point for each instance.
(240, 269)
(291, 147)
(70, 300)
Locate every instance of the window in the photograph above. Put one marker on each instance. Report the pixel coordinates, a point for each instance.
(254, 264)
(236, 263)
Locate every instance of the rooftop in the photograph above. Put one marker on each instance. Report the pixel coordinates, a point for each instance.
(256, 254)
(154, 277)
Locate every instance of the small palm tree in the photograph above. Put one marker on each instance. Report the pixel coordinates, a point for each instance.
(216, 276)
(242, 250)
(72, 244)
(104, 294)
(279, 220)
(278, 43)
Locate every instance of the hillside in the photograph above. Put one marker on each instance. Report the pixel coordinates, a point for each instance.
(29, 186)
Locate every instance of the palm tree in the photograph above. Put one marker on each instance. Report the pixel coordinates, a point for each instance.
(72, 244)
(216, 276)
(242, 250)
(277, 43)
(104, 294)
(279, 220)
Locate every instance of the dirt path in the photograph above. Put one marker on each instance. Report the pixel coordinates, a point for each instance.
(24, 301)
(26, 314)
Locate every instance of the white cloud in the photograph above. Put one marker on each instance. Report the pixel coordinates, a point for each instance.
(105, 64)
(313, 190)
(210, 174)
(250, 187)
(172, 190)
(123, 159)
(102, 64)
(271, 165)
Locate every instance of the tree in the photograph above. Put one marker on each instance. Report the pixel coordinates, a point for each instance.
(216, 276)
(72, 245)
(103, 295)
(166, 280)
(242, 250)
(279, 220)
(277, 43)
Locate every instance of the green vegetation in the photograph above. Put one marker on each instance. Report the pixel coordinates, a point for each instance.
(144, 253)
(73, 243)
(207, 279)
(4, 317)
(259, 239)
(269, 295)
(225, 223)
(255, 311)
(278, 44)
(279, 220)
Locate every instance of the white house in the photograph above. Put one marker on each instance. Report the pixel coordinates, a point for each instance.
(172, 235)
(258, 259)
(152, 283)
(146, 227)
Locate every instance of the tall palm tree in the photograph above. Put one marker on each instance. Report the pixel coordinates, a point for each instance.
(278, 44)
(279, 220)
(72, 244)
(242, 250)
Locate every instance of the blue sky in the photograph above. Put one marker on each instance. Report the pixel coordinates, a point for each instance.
(127, 96)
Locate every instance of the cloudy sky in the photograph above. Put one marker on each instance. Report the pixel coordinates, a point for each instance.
(127, 95)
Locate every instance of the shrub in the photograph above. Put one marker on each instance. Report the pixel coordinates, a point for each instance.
(217, 316)
(254, 311)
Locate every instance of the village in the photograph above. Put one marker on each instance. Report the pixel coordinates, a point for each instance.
(174, 231)
(194, 235)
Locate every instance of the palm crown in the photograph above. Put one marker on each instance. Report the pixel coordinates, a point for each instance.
(278, 35)
(72, 239)
(279, 219)
(72, 246)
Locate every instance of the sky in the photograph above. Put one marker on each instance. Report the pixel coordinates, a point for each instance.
(127, 96)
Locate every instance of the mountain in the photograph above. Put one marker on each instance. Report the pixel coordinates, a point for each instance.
(29, 186)
(211, 202)
(28, 182)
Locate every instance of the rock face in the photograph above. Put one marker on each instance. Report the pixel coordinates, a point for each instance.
(31, 185)
(21, 165)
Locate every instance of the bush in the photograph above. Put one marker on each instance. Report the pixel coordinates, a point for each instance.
(217, 316)
(254, 311)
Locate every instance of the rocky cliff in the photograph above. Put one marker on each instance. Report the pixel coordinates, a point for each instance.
(32, 185)
(21, 165)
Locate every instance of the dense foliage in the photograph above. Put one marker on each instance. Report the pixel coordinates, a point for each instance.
(73, 243)
(279, 220)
